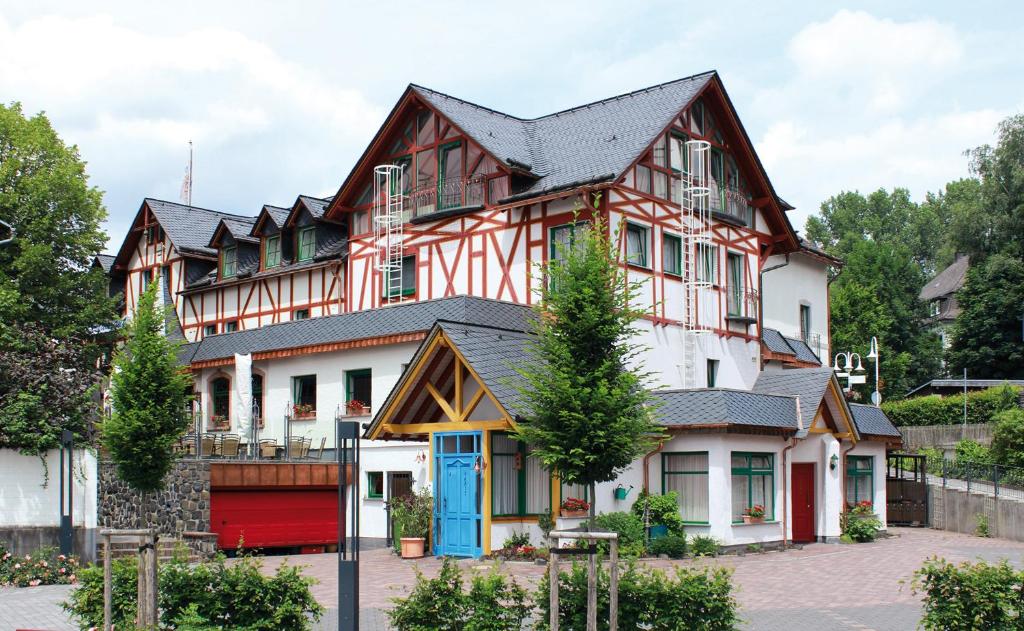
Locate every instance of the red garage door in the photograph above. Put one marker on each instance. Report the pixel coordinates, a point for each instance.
(274, 518)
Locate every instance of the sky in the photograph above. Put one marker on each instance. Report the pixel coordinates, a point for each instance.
(281, 98)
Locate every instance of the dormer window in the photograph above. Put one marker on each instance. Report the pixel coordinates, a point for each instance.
(307, 243)
(229, 262)
(272, 251)
(934, 308)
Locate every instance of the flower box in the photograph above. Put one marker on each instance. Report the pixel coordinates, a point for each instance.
(747, 519)
(575, 514)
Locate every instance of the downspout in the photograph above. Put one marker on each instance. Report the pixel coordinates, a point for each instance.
(647, 460)
(785, 475)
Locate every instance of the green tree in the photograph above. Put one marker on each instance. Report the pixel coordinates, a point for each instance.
(988, 336)
(998, 226)
(587, 413)
(1008, 438)
(45, 274)
(148, 397)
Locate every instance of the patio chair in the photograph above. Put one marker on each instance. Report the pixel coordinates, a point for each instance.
(323, 443)
(207, 444)
(306, 444)
(189, 443)
(229, 445)
(295, 447)
(268, 448)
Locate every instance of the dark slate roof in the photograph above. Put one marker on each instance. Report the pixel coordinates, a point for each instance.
(809, 384)
(491, 353)
(410, 317)
(803, 351)
(278, 214)
(872, 421)
(719, 406)
(590, 143)
(186, 351)
(948, 281)
(239, 228)
(105, 261)
(776, 342)
(811, 247)
(316, 205)
(189, 228)
(173, 327)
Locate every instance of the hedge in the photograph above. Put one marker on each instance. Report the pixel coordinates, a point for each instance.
(982, 407)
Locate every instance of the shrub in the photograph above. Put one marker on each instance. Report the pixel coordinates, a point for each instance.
(934, 460)
(968, 596)
(982, 525)
(703, 545)
(968, 450)
(412, 513)
(661, 510)
(493, 603)
(982, 407)
(1008, 438)
(651, 599)
(516, 540)
(207, 595)
(629, 528)
(42, 567)
(672, 545)
(860, 525)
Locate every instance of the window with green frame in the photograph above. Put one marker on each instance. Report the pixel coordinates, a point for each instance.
(449, 175)
(707, 263)
(860, 479)
(735, 301)
(637, 244)
(304, 394)
(686, 473)
(228, 262)
(307, 243)
(561, 238)
(408, 279)
(672, 254)
(359, 386)
(375, 485)
(272, 251)
(753, 483)
(520, 486)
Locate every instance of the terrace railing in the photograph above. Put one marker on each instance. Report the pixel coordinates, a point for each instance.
(445, 194)
(980, 477)
(741, 304)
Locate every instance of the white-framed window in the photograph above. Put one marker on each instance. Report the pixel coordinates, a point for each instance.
(686, 473)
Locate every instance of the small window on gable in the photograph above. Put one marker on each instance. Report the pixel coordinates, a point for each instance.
(272, 251)
(210, 329)
(661, 152)
(643, 178)
(231, 326)
(229, 262)
(697, 118)
(425, 127)
(360, 222)
(637, 243)
(301, 314)
(147, 278)
(307, 243)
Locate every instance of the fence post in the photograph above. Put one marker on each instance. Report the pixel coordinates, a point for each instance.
(995, 479)
(968, 467)
(553, 587)
(943, 472)
(613, 597)
(592, 589)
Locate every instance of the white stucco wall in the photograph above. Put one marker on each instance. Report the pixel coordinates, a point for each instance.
(804, 281)
(24, 501)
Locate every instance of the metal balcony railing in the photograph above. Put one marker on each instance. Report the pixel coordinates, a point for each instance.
(440, 195)
(813, 342)
(741, 304)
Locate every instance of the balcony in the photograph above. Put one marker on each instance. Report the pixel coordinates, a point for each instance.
(438, 198)
(732, 205)
(741, 306)
(813, 342)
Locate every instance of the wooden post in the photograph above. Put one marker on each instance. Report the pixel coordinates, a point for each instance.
(553, 591)
(592, 590)
(107, 588)
(613, 587)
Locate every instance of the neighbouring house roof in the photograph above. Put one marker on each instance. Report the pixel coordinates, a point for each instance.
(411, 317)
(720, 406)
(872, 421)
(948, 281)
(777, 343)
(810, 384)
(812, 248)
(941, 386)
(105, 261)
(238, 227)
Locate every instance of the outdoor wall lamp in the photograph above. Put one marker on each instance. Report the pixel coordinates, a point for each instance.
(421, 457)
(833, 462)
(480, 465)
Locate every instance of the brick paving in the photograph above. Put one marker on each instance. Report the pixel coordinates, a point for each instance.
(821, 587)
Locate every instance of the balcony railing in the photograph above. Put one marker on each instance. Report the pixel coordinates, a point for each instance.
(813, 342)
(439, 195)
(741, 305)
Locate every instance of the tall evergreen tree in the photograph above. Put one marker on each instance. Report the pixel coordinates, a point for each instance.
(148, 392)
(587, 408)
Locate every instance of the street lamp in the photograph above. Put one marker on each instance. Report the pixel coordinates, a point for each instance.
(876, 354)
(849, 370)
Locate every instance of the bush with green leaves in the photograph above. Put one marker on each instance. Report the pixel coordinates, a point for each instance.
(968, 450)
(969, 596)
(704, 546)
(981, 519)
(672, 545)
(982, 407)
(516, 540)
(221, 594)
(42, 567)
(412, 514)
(861, 528)
(629, 528)
(662, 510)
(934, 458)
(1008, 438)
(493, 603)
(686, 598)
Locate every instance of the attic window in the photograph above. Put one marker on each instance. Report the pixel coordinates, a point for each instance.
(272, 252)
(229, 262)
(307, 243)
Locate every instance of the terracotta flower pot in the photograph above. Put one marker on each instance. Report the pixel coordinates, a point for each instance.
(412, 547)
(575, 514)
(747, 519)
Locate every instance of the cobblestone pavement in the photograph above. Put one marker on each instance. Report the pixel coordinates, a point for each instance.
(819, 588)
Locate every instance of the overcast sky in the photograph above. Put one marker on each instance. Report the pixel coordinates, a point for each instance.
(281, 98)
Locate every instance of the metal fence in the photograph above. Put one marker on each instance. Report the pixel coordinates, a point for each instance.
(980, 477)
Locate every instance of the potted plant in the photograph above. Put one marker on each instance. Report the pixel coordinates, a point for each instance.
(754, 515)
(355, 407)
(412, 515)
(219, 421)
(574, 507)
(303, 410)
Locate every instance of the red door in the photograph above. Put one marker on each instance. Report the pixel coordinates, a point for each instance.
(803, 502)
(274, 518)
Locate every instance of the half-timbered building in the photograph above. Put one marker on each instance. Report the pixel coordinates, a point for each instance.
(402, 299)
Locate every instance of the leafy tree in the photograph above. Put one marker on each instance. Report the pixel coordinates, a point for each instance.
(45, 274)
(960, 211)
(1008, 438)
(586, 408)
(148, 398)
(999, 224)
(987, 335)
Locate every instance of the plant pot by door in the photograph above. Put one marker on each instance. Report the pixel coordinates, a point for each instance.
(747, 519)
(412, 547)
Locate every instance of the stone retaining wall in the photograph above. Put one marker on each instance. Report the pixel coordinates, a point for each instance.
(182, 506)
(957, 510)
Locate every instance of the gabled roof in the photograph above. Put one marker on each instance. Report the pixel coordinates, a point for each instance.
(725, 407)
(238, 228)
(188, 227)
(105, 261)
(276, 214)
(872, 421)
(488, 351)
(809, 384)
(778, 343)
(411, 317)
(314, 205)
(948, 281)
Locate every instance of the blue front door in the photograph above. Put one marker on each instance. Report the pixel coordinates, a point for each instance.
(457, 494)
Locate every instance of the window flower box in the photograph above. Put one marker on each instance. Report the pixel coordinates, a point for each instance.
(219, 423)
(754, 515)
(575, 508)
(355, 407)
(303, 411)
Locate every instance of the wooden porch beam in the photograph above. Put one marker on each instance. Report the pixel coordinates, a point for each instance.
(448, 411)
(427, 428)
(472, 404)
